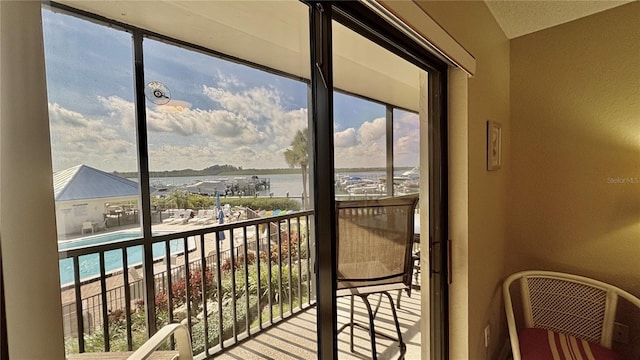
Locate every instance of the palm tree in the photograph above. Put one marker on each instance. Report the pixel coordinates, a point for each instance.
(298, 155)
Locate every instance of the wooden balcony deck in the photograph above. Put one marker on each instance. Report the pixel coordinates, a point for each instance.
(295, 338)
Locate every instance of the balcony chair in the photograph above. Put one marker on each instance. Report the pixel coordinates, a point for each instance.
(374, 246)
(563, 315)
(148, 349)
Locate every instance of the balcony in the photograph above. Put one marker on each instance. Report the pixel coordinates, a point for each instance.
(196, 270)
(277, 313)
(295, 338)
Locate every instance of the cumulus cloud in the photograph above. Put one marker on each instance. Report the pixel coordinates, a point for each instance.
(60, 116)
(248, 128)
(406, 139)
(77, 139)
(345, 138)
(373, 131)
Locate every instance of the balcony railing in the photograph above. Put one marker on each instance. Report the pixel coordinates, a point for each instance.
(223, 290)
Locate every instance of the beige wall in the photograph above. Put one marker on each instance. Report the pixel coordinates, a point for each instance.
(574, 200)
(471, 24)
(30, 269)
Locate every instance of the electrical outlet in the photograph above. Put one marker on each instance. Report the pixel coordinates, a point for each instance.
(487, 335)
(621, 333)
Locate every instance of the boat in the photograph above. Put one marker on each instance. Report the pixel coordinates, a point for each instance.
(413, 173)
(207, 187)
(363, 186)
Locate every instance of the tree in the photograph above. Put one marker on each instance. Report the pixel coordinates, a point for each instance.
(298, 155)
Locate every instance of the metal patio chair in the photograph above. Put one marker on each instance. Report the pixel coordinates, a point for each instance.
(374, 255)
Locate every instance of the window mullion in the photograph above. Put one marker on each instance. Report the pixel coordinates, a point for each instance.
(143, 168)
(321, 135)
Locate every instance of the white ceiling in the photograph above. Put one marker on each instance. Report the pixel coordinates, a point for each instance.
(521, 17)
(274, 34)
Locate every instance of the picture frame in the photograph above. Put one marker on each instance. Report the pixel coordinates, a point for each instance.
(494, 145)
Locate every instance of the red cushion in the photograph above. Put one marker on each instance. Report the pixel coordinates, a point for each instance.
(540, 344)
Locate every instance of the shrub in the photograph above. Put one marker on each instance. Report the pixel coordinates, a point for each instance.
(286, 247)
(179, 288)
(180, 199)
(197, 331)
(239, 262)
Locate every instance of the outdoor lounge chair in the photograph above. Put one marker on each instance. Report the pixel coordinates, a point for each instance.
(208, 216)
(177, 214)
(374, 246)
(563, 314)
(184, 217)
(86, 226)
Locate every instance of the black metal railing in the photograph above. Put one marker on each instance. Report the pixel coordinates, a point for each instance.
(223, 290)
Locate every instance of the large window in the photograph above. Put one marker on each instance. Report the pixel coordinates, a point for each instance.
(213, 114)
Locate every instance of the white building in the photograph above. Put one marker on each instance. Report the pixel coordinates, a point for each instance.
(84, 194)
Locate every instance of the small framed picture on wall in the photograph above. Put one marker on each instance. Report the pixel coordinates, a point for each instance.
(494, 145)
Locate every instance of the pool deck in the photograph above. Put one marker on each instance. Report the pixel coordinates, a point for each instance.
(115, 281)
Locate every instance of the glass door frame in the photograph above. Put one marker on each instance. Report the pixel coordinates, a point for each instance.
(359, 18)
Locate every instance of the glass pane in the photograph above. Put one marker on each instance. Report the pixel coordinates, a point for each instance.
(406, 152)
(92, 124)
(228, 142)
(360, 145)
(89, 71)
(219, 135)
(377, 80)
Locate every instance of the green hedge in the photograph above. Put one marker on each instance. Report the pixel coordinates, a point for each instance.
(193, 201)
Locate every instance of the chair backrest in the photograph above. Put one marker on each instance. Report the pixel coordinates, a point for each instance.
(375, 239)
(570, 304)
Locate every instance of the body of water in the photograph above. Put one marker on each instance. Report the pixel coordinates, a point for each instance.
(281, 184)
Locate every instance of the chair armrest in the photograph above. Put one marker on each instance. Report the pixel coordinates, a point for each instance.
(183, 341)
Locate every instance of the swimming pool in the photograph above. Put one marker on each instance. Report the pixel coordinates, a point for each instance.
(90, 264)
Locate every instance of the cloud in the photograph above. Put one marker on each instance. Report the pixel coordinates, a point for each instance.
(226, 127)
(406, 147)
(227, 80)
(262, 107)
(77, 139)
(373, 131)
(248, 128)
(259, 103)
(346, 138)
(63, 117)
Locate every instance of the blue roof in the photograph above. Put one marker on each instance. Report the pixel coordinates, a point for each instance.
(84, 182)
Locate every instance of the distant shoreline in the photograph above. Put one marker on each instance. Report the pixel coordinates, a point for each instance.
(205, 172)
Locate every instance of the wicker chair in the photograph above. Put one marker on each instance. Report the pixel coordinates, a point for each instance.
(563, 314)
(375, 242)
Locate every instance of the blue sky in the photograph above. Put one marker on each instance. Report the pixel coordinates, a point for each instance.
(220, 112)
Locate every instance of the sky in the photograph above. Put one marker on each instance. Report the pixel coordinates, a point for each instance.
(218, 112)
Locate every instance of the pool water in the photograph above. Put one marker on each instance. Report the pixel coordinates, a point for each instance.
(90, 264)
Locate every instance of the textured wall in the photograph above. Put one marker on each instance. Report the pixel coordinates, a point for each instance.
(574, 201)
